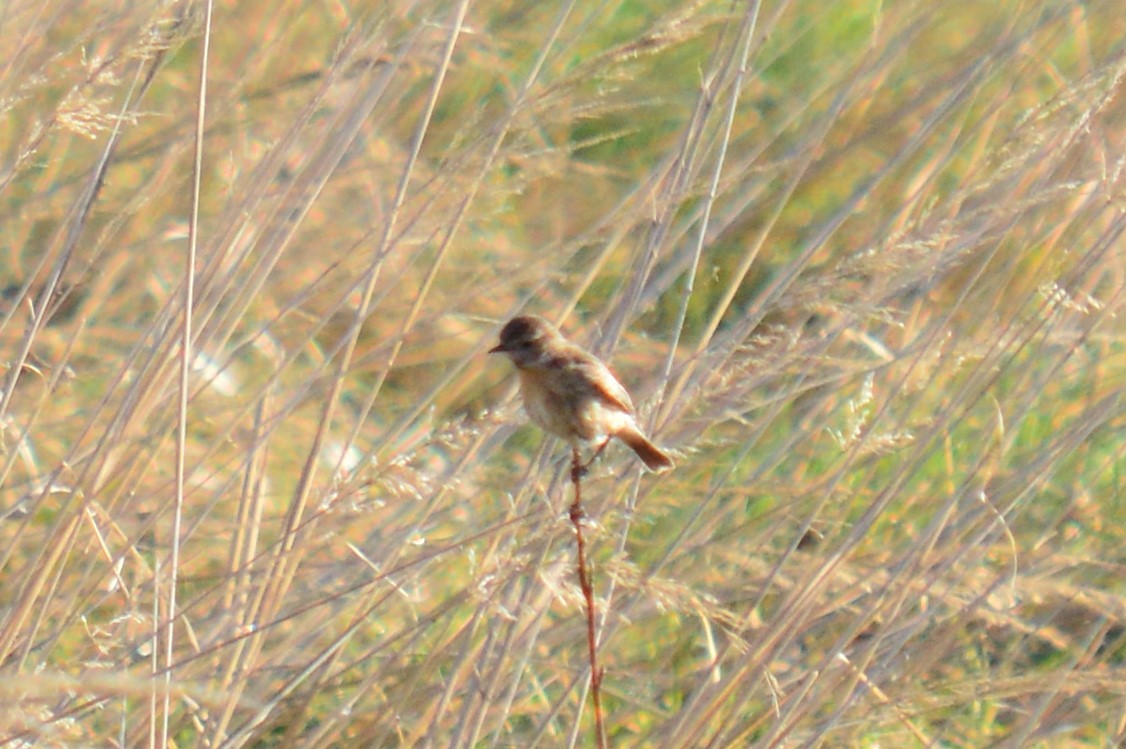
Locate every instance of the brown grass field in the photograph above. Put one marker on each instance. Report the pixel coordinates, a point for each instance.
(860, 262)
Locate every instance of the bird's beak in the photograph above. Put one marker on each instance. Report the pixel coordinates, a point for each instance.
(498, 349)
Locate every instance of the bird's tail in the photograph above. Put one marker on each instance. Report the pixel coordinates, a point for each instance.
(655, 459)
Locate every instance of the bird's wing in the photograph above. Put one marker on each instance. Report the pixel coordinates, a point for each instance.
(610, 390)
(587, 373)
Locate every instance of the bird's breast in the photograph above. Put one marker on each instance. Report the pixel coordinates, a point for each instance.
(569, 411)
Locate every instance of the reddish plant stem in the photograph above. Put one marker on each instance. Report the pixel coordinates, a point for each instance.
(577, 515)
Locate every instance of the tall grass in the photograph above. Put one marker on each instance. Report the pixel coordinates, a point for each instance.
(860, 263)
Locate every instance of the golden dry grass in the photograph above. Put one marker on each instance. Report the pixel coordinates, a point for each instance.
(860, 263)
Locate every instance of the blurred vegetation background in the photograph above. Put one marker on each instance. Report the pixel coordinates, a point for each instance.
(859, 262)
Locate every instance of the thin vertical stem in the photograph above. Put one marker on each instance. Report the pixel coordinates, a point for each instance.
(186, 358)
(577, 515)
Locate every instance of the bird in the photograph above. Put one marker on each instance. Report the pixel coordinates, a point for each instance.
(571, 393)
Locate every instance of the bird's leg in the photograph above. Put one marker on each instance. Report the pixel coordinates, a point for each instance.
(586, 466)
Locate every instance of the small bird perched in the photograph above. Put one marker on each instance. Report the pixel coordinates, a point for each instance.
(569, 392)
